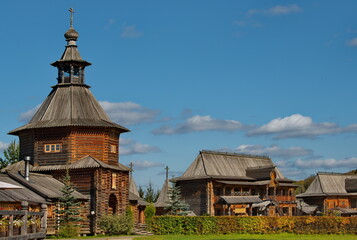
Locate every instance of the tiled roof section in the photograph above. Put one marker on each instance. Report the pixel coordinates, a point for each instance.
(85, 162)
(70, 105)
(134, 193)
(351, 185)
(44, 185)
(260, 173)
(164, 195)
(134, 197)
(239, 199)
(18, 195)
(210, 164)
(328, 184)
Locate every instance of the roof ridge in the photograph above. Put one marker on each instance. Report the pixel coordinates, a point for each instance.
(233, 154)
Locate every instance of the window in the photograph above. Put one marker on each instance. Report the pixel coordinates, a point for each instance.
(114, 181)
(50, 148)
(113, 149)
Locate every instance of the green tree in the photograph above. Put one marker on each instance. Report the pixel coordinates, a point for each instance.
(69, 214)
(151, 194)
(149, 212)
(141, 192)
(175, 205)
(11, 154)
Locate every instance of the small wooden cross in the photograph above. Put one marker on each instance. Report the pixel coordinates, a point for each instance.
(71, 17)
(167, 172)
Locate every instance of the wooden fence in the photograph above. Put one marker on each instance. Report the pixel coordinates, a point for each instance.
(23, 224)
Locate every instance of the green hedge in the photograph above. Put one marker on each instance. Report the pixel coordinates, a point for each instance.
(163, 225)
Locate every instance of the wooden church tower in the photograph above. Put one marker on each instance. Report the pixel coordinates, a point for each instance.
(71, 131)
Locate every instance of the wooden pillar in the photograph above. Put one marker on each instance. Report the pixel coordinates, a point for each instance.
(210, 198)
(24, 208)
(44, 217)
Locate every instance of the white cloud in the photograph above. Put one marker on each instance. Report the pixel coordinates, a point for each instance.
(130, 147)
(26, 116)
(128, 113)
(277, 10)
(352, 42)
(3, 146)
(143, 165)
(198, 124)
(130, 32)
(327, 163)
(274, 151)
(296, 126)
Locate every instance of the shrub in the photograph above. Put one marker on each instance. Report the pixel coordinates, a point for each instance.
(116, 224)
(149, 212)
(68, 231)
(162, 225)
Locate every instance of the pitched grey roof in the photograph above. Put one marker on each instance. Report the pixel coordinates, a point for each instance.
(44, 185)
(306, 208)
(164, 195)
(222, 165)
(18, 195)
(260, 173)
(71, 54)
(85, 162)
(239, 199)
(351, 185)
(70, 105)
(328, 184)
(134, 193)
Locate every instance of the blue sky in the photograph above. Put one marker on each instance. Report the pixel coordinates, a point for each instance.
(274, 78)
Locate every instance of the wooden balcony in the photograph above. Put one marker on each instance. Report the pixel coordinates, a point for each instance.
(282, 198)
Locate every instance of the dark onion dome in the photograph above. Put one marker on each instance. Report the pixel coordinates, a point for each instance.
(71, 34)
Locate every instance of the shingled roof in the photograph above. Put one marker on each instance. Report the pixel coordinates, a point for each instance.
(70, 105)
(325, 184)
(40, 188)
(163, 199)
(234, 166)
(85, 162)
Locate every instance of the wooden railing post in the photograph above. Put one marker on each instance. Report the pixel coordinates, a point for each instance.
(11, 226)
(24, 206)
(44, 217)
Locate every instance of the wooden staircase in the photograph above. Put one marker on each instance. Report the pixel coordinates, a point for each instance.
(141, 229)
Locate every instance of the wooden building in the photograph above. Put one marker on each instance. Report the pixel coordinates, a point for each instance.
(137, 204)
(41, 192)
(220, 183)
(332, 191)
(71, 130)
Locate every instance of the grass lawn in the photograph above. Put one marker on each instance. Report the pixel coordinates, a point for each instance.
(283, 236)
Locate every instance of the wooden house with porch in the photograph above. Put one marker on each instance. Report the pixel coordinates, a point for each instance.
(36, 193)
(332, 192)
(71, 130)
(221, 183)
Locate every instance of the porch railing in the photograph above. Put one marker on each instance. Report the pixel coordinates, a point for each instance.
(23, 224)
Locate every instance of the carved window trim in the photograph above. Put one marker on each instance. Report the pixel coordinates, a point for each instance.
(52, 148)
(113, 148)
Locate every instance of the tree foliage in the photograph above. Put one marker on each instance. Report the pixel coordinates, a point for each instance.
(149, 212)
(175, 205)
(11, 154)
(150, 194)
(69, 212)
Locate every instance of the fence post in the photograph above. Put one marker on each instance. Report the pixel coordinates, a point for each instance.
(24, 206)
(44, 218)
